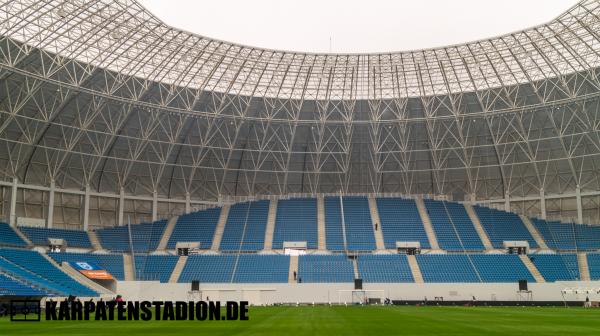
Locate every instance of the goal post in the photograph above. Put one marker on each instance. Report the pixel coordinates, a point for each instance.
(360, 296)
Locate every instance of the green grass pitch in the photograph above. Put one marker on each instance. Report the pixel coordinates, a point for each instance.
(338, 320)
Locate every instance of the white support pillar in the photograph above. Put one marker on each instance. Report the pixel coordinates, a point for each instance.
(507, 202)
(50, 217)
(579, 205)
(121, 206)
(86, 208)
(154, 206)
(543, 203)
(188, 205)
(13, 202)
(473, 198)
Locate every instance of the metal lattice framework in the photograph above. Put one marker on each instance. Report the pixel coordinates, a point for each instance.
(100, 98)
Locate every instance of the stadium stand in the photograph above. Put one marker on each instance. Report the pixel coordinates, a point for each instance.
(154, 267)
(144, 237)
(245, 227)
(453, 227)
(112, 263)
(39, 236)
(447, 268)
(13, 287)
(400, 221)
(594, 265)
(556, 267)
(500, 268)
(503, 226)
(8, 237)
(253, 268)
(296, 221)
(384, 268)
(357, 217)
(208, 268)
(33, 268)
(557, 235)
(195, 227)
(324, 268)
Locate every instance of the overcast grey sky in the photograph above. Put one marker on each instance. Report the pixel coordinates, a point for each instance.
(354, 25)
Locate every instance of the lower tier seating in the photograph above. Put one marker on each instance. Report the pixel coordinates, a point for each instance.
(384, 268)
(112, 263)
(154, 267)
(594, 265)
(12, 287)
(325, 268)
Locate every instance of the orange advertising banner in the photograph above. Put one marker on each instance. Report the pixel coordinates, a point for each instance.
(97, 274)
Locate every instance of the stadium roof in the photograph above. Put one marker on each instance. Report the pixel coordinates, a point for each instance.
(103, 94)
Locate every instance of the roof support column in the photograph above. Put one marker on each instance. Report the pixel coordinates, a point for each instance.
(86, 208)
(121, 206)
(543, 203)
(50, 217)
(579, 205)
(188, 206)
(507, 202)
(13, 202)
(154, 205)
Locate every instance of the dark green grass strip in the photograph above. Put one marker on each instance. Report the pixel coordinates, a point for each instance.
(314, 321)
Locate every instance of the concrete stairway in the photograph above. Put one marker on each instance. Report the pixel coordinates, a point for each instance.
(415, 269)
(216, 242)
(322, 243)
(355, 265)
(128, 267)
(71, 272)
(534, 232)
(584, 269)
(270, 225)
(293, 268)
(427, 224)
(379, 242)
(164, 240)
(178, 269)
(22, 235)
(487, 243)
(532, 269)
(95, 241)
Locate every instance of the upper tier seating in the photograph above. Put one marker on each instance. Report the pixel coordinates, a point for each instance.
(245, 227)
(325, 268)
(594, 265)
(13, 287)
(447, 268)
(208, 268)
(33, 268)
(568, 236)
(73, 238)
(196, 227)
(154, 267)
(400, 221)
(8, 237)
(556, 267)
(501, 268)
(357, 218)
(384, 268)
(144, 237)
(453, 227)
(296, 221)
(503, 226)
(253, 268)
(112, 263)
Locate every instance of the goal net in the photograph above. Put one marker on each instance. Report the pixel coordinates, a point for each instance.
(360, 296)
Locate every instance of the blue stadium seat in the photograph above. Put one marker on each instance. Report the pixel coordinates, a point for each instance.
(253, 268)
(325, 268)
(594, 265)
(447, 268)
(245, 227)
(557, 235)
(357, 217)
(556, 267)
(112, 263)
(154, 267)
(503, 226)
(13, 287)
(74, 238)
(501, 268)
(384, 268)
(8, 237)
(196, 227)
(208, 268)
(144, 237)
(453, 227)
(296, 221)
(400, 221)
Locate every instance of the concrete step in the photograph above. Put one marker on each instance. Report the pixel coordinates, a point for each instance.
(75, 275)
(95, 241)
(532, 269)
(355, 266)
(415, 269)
(22, 235)
(487, 243)
(293, 269)
(270, 225)
(322, 243)
(164, 240)
(584, 269)
(427, 224)
(178, 269)
(128, 267)
(379, 242)
(220, 227)
(534, 232)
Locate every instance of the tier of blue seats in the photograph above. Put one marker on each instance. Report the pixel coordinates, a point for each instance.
(253, 268)
(112, 263)
(568, 236)
(400, 221)
(196, 227)
(446, 268)
(8, 237)
(358, 224)
(245, 227)
(503, 226)
(325, 268)
(39, 236)
(208, 268)
(33, 268)
(593, 260)
(144, 237)
(154, 267)
(556, 267)
(384, 268)
(296, 221)
(13, 287)
(501, 268)
(453, 227)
